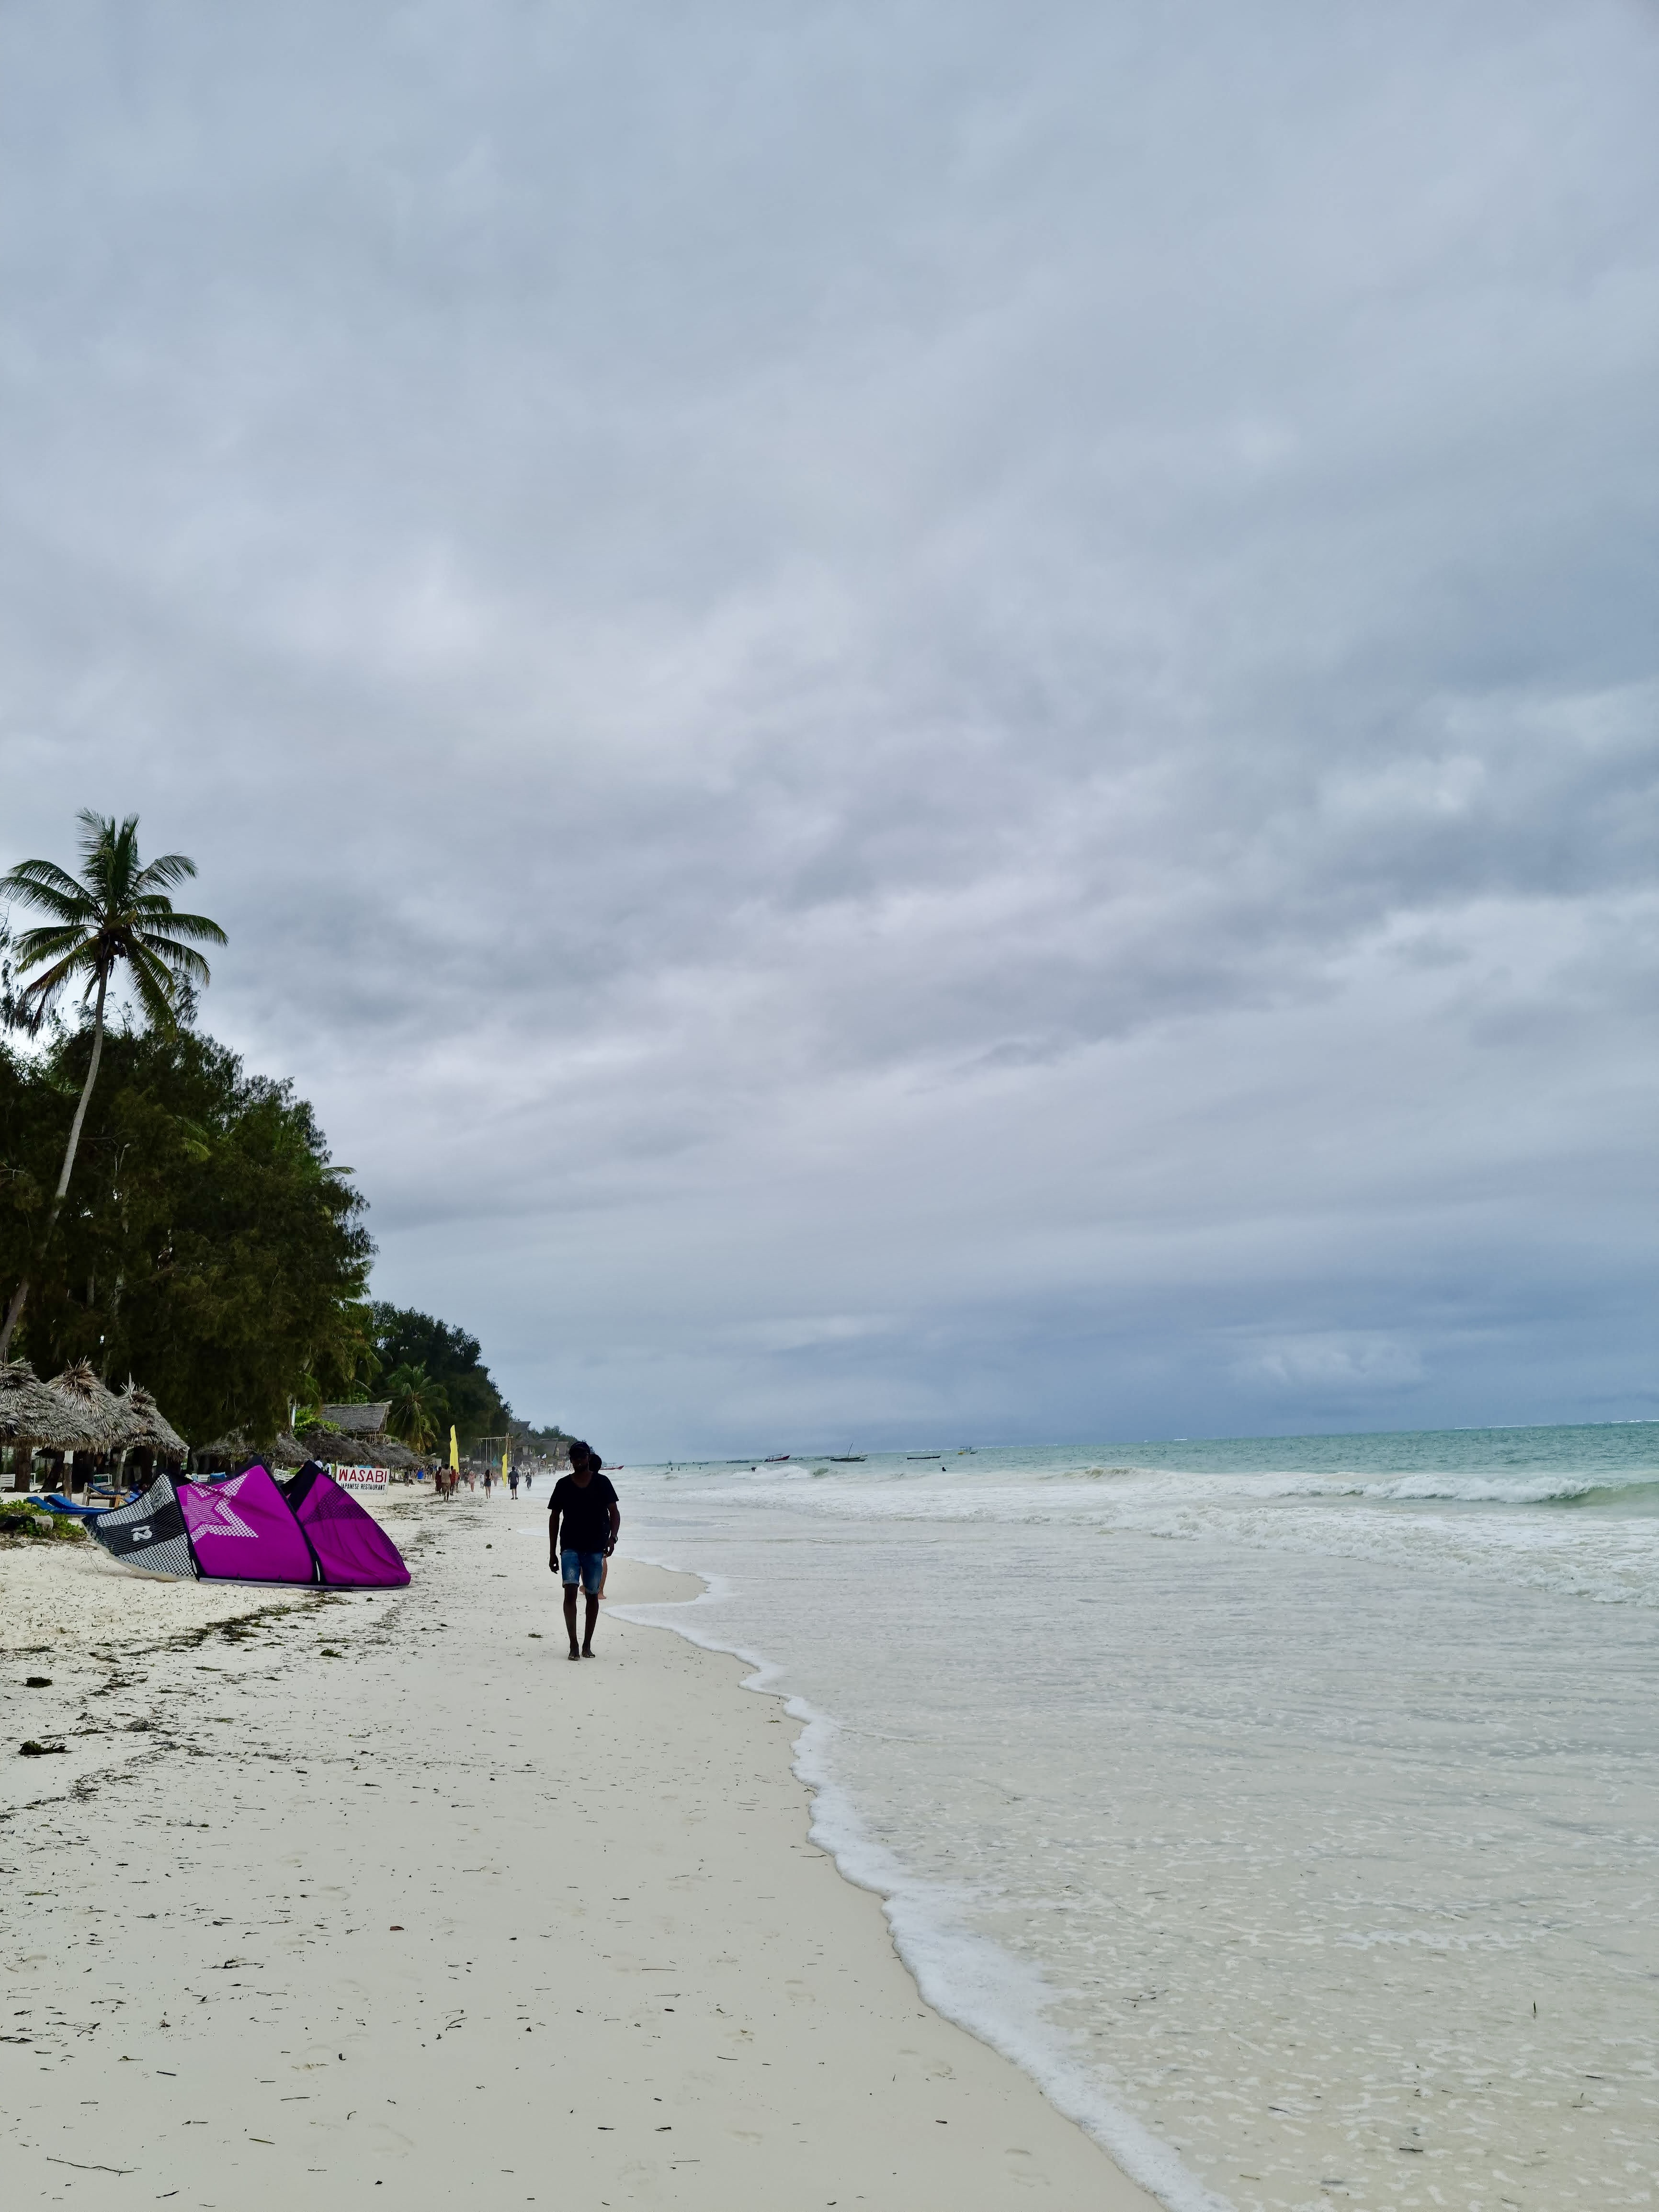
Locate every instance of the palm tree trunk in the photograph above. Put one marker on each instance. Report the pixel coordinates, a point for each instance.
(14, 1310)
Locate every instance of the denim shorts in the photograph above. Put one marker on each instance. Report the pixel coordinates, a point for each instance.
(589, 1566)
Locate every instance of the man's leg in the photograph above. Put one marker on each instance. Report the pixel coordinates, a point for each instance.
(592, 1619)
(570, 1616)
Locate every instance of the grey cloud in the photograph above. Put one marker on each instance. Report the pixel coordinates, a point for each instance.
(891, 650)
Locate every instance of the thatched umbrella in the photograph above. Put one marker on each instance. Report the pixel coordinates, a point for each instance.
(233, 1445)
(100, 1409)
(235, 1449)
(146, 1427)
(33, 1413)
(36, 1417)
(147, 1434)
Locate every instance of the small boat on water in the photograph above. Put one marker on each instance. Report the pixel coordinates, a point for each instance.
(847, 1459)
(939, 1455)
(774, 1459)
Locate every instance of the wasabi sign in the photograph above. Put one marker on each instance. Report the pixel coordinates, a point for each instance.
(361, 1478)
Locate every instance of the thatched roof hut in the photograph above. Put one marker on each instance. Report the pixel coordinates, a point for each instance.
(147, 1428)
(98, 1407)
(396, 1455)
(359, 1450)
(366, 1421)
(359, 1441)
(287, 1451)
(38, 1414)
(236, 1449)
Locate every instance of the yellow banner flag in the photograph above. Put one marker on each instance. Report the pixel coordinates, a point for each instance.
(455, 1455)
(503, 1463)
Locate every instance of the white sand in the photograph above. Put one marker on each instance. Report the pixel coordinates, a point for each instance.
(620, 1974)
(73, 1597)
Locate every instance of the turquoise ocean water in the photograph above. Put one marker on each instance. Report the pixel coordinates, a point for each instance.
(1290, 1808)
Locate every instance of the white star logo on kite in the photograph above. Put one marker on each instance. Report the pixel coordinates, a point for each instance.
(221, 1521)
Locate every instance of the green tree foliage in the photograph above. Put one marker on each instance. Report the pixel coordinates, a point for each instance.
(451, 1361)
(210, 1248)
(419, 1408)
(117, 913)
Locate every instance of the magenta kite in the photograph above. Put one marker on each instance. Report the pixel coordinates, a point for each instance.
(248, 1527)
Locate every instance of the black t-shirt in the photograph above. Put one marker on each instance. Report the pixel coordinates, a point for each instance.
(585, 1511)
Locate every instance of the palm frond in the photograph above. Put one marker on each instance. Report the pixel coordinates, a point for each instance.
(163, 943)
(186, 925)
(171, 868)
(180, 958)
(105, 848)
(34, 945)
(101, 833)
(43, 883)
(43, 989)
(155, 987)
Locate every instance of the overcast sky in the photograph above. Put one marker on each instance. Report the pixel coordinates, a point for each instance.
(926, 722)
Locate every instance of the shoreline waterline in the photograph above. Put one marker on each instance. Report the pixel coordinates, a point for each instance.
(1277, 1803)
(993, 2000)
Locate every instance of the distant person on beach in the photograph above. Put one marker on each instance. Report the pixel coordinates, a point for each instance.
(583, 1522)
(513, 1481)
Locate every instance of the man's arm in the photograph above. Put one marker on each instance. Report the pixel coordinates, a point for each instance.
(553, 1539)
(615, 1526)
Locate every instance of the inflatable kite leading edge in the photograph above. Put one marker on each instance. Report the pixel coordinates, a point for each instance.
(250, 1528)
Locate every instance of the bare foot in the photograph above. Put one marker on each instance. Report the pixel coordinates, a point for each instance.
(573, 1653)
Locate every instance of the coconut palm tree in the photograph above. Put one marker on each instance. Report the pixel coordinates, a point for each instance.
(118, 909)
(418, 1407)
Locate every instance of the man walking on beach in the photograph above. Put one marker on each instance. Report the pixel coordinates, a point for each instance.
(583, 1521)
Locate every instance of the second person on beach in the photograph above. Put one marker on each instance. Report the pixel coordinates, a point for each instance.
(583, 1521)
